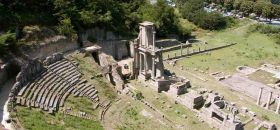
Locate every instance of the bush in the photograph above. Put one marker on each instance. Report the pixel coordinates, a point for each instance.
(265, 29)
(193, 11)
(7, 43)
(211, 21)
(139, 95)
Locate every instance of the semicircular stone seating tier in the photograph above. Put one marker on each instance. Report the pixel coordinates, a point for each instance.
(50, 90)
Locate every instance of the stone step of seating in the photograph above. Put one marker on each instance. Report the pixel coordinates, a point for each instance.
(57, 63)
(83, 81)
(60, 94)
(55, 98)
(21, 92)
(93, 93)
(18, 101)
(22, 101)
(95, 98)
(42, 77)
(85, 87)
(65, 96)
(45, 80)
(53, 92)
(39, 92)
(32, 86)
(68, 75)
(87, 90)
(61, 68)
(46, 93)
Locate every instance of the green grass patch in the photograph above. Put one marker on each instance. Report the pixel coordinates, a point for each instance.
(252, 49)
(34, 119)
(263, 77)
(90, 69)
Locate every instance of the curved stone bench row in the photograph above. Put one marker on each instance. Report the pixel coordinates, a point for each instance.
(50, 90)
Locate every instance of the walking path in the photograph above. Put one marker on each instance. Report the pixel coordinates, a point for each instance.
(4, 97)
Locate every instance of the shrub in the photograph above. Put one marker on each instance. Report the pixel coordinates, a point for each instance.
(139, 95)
(265, 29)
(212, 21)
(7, 43)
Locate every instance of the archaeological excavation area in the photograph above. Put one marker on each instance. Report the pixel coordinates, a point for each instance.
(141, 83)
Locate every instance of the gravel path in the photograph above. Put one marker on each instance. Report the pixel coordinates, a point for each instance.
(4, 97)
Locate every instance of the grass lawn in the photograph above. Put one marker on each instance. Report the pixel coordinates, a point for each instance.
(34, 119)
(126, 114)
(252, 49)
(163, 103)
(263, 77)
(91, 69)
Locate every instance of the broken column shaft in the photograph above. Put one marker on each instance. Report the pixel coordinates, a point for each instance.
(278, 106)
(268, 100)
(260, 96)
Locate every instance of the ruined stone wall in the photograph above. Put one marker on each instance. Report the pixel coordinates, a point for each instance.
(52, 59)
(28, 72)
(119, 49)
(111, 70)
(42, 50)
(99, 34)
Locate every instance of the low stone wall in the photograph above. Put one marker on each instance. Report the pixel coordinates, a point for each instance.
(198, 52)
(52, 59)
(53, 45)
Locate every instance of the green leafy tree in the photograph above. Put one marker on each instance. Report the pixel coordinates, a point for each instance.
(237, 4)
(162, 15)
(66, 28)
(269, 11)
(247, 7)
(258, 8)
(229, 4)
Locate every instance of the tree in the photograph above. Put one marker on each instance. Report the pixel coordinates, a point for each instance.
(237, 4)
(269, 11)
(247, 7)
(258, 8)
(212, 21)
(66, 28)
(162, 15)
(229, 4)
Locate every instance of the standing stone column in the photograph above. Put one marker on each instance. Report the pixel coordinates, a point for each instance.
(260, 96)
(153, 68)
(268, 100)
(145, 63)
(141, 62)
(136, 59)
(181, 49)
(154, 43)
(278, 107)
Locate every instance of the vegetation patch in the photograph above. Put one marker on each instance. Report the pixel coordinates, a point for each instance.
(34, 119)
(263, 77)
